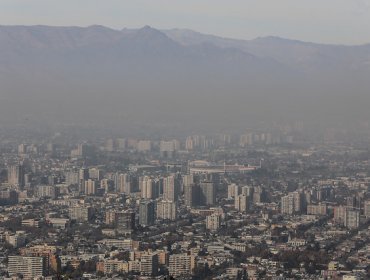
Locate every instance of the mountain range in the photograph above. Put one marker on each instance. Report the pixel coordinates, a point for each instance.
(100, 75)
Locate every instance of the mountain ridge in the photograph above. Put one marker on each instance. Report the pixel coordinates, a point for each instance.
(100, 73)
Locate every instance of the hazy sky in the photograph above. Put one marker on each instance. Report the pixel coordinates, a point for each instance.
(328, 21)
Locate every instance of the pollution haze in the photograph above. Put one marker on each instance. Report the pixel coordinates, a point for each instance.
(177, 78)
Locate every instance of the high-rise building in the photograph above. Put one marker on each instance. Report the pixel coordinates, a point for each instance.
(242, 203)
(110, 145)
(319, 210)
(248, 191)
(292, 203)
(287, 205)
(149, 264)
(233, 191)
(106, 185)
(191, 195)
(125, 221)
(22, 149)
(28, 267)
(298, 202)
(95, 173)
(347, 216)
(81, 213)
(187, 180)
(8, 197)
(144, 146)
(124, 184)
(181, 265)
(367, 209)
(47, 191)
(354, 202)
(207, 193)
(352, 220)
(171, 188)
(121, 144)
(189, 144)
(168, 148)
(340, 214)
(83, 175)
(83, 150)
(90, 187)
(72, 178)
(50, 253)
(258, 195)
(146, 212)
(147, 188)
(213, 222)
(16, 175)
(166, 210)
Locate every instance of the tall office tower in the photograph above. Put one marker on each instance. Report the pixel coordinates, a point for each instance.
(171, 188)
(90, 187)
(146, 213)
(166, 210)
(242, 203)
(16, 175)
(213, 222)
(149, 264)
(147, 187)
(207, 193)
(192, 195)
(367, 209)
(28, 267)
(124, 184)
(233, 191)
(352, 220)
(287, 205)
(125, 221)
(181, 265)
